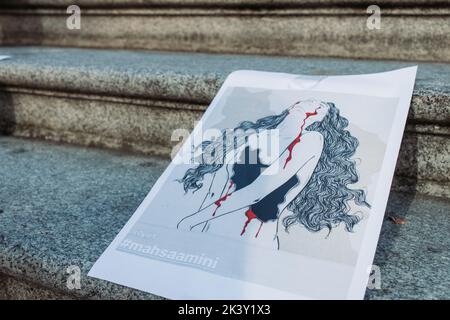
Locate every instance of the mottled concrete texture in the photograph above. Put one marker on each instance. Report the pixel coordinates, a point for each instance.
(61, 206)
(148, 129)
(18, 289)
(134, 100)
(213, 3)
(410, 30)
(194, 78)
(109, 123)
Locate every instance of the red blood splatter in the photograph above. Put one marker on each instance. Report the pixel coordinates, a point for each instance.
(250, 216)
(298, 138)
(218, 202)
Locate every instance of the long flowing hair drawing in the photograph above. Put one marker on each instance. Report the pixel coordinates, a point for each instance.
(311, 186)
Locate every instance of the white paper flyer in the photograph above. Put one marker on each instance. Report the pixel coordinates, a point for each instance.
(279, 192)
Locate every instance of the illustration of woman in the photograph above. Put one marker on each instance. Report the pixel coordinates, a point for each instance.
(308, 184)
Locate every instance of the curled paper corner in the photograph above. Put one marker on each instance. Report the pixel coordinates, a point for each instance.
(4, 57)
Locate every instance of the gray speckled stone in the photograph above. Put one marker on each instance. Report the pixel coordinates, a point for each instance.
(218, 3)
(195, 78)
(415, 257)
(63, 205)
(424, 157)
(11, 288)
(134, 100)
(139, 126)
(125, 125)
(412, 30)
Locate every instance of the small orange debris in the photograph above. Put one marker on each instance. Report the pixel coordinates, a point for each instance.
(397, 220)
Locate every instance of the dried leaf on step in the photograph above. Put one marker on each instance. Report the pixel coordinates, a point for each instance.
(397, 220)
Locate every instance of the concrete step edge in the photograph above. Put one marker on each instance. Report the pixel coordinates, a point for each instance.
(143, 119)
(193, 79)
(71, 224)
(409, 32)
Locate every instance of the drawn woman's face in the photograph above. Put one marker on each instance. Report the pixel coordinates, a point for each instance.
(314, 109)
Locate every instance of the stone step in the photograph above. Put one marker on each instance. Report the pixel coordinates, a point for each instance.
(409, 29)
(134, 100)
(62, 205)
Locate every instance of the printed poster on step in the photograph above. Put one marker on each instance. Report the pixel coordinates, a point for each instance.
(278, 193)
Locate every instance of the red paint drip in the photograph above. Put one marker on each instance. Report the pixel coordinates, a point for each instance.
(298, 138)
(218, 202)
(250, 216)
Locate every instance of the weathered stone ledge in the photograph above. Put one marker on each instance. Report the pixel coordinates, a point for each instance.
(193, 79)
(410, 30)
(223, 3)
(62, 206)
(134, 101)
(229, 11)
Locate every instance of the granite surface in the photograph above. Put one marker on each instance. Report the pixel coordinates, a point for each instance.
(409, 30)
(220, 3)
(195, 78)
(148, 129)
(18, 289)
(62, 205)
(134, 101)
